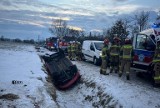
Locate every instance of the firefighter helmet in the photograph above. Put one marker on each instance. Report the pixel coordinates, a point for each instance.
(127, 41)
(117, 39)
(106, 41)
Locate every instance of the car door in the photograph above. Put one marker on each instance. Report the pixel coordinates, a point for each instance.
(91, 52)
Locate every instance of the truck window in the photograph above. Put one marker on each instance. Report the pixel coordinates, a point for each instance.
(144, 42)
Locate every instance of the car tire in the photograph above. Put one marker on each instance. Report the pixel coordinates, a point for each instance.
(95, 61)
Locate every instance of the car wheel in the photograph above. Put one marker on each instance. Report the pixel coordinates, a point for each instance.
(95, 61)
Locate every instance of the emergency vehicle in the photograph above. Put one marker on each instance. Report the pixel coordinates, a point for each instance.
(51, 43)
(144, 45)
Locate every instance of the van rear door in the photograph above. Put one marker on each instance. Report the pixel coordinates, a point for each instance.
(86, 49)
(91, 51)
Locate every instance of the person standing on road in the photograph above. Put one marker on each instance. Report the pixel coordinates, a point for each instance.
(79, 51)
(69, 50)
(156, 62)
(76, 50)
(73, 51)
(126, 58)
(114, 55)
(104, 56)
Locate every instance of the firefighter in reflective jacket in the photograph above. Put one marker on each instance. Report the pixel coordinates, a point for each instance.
(114, 55)
(125, 58)
(104, 55)
(73, 57)
(156, 62)
(69, 50)
(78, 51)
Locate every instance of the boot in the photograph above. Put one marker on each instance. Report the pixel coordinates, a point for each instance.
(128, 77)
(111, 70)
(107, 72)
(100, 71)
(120, 74)
(116, 71)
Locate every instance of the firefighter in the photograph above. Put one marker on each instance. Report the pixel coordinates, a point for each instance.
(79, 51)
(125, 58)
(73, 57)
(76, 50)
(114, 55)
(156, 62)
(69, 50)
(104, 56)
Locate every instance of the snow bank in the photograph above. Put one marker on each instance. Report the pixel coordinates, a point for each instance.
(20, 63)
(129, 94)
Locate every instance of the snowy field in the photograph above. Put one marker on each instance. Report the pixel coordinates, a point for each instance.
(20, 62)
(22, 81)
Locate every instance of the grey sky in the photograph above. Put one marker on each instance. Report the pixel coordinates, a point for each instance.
(29, 18)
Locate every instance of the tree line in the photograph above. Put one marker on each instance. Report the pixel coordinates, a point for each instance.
(30, 41)
(121, 27)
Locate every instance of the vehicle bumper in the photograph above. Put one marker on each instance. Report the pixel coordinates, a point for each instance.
(71, 82)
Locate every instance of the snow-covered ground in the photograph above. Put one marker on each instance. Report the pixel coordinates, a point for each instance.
(21, 63)
(129, 94)
(96, 90)
(22, 79)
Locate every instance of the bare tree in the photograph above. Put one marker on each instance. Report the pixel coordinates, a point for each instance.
(58, 27)
(134, 29)
(142, 20)
(73, 32)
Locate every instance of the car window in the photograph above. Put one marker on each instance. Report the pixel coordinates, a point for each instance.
(92, 47)
(144, 42)
(98, 45)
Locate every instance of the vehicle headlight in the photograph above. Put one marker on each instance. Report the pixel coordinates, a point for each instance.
(100, 53)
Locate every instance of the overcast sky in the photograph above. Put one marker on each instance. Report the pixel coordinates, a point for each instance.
(27, 19)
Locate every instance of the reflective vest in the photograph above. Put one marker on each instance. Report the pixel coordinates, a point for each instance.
(114, 50)
(69, 48)
(79, 48)
(104, 52)
(76, 47)
(157, 55)
(127, 51)
(72, 48)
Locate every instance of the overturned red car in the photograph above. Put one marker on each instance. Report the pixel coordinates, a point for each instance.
(64, 74)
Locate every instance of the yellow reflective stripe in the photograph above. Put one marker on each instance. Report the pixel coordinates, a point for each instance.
(126, 56)
(127, 46)
(103, 56)
(115, 46)
(157, 78)
(113, 54)
(127, 72)
(156, 60)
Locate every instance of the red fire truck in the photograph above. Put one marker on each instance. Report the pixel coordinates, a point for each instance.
(51, 43)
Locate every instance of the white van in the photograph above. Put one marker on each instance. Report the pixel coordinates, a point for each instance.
(92, 51)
